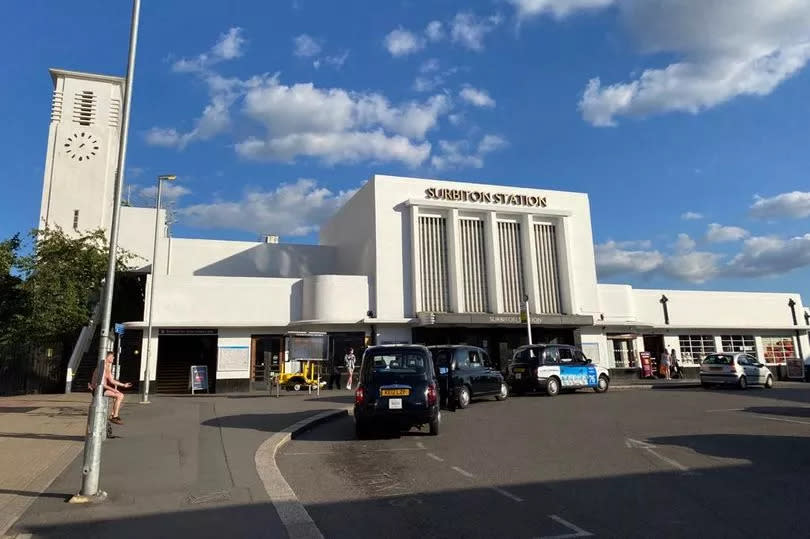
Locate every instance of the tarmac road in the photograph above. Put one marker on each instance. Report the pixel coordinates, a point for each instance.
(664, 463)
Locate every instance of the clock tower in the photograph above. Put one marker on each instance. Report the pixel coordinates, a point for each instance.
(77, 193)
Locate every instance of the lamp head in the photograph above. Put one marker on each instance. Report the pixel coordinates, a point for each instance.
(167, 177)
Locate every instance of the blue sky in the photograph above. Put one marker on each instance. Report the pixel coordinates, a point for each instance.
(686, 121)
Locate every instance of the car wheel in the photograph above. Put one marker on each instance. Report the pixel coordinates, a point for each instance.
(552, 387)
(297, 386)
(434, 424)
(463, 397)
(602, 385)
(742, 383)
(504, 393)
(769, 382)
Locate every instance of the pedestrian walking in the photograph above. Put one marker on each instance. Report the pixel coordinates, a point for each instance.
(675, 365)
(665, 362)
(350, 360)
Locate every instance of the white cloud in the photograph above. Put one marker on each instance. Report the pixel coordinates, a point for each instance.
(434, 31)
(725, 50)
(460, 153)
(684, 244)
(295, 209)
(401, 42)
(432, 76)
(611, 259)
(476, 97)
(717, 233)
(693, 266)
(559, 9)
(335, 61)
(230, 45)
(135, 172)
(169, 193)
(768, 256)
(165, 137)
(430, 65)
(306, 46)
(691, 216)
(633, 244)
(469, 30)
(795, 204)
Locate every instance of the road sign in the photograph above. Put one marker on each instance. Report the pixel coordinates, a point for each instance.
(119, 329)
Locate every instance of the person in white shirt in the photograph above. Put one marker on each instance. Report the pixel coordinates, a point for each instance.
(350, 361)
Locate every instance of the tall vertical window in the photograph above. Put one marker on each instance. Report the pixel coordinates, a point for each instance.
(695, 347)
(739, 343)
(511, 265)
(473, 265)
(433, 263)
(548, 276)
(778, 349)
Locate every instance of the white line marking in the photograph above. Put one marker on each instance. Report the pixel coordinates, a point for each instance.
(785, 420)
(465, 473)
(290, 510)
(435, 457)
(650, 448)
(507, 494)
(391, 450)
(578, 532)
(420, 445)
(725, 410)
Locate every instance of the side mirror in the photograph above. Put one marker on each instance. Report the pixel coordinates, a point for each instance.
(588, 361)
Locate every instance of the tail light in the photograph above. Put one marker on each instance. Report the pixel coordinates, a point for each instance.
(359, 395)
(431, 394)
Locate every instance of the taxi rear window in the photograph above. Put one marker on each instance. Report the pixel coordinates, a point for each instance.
(719, 359)
(396, 362)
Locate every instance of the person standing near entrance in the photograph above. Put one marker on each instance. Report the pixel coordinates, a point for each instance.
(350, 360)
(665, 360)
(676, 367)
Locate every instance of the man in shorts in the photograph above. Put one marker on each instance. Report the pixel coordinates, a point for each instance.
(110, 385)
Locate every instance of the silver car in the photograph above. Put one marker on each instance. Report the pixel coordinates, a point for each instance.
(734, 368)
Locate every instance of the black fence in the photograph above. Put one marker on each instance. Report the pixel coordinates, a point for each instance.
(33, 368)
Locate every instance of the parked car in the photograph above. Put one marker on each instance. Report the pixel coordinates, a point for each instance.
(738, 369)
(465, 372)
(397, 389)
(553, 368)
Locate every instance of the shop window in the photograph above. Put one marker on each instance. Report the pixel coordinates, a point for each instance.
(696, 347)
(739, 343)
(624, 352)
(777, 349)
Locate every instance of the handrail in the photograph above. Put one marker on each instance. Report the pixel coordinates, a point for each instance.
(81, 346)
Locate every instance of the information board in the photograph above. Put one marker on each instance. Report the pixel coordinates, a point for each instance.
(308, 347)
(198, 378)
(233, 358)
(795, 369)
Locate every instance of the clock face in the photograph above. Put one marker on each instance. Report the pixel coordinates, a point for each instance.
(81, 146)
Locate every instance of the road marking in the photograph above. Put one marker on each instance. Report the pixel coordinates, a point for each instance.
(465, 473)
(507, 494)
(435, 457)
(725, 410)
(420, 445)
(650, 448)
(785, 420)
(577, 531)
(390, 450)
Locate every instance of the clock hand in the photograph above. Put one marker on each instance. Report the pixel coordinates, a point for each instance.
(82, 146)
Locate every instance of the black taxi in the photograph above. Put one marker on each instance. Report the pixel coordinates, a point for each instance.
(465, 372)
(398, 389)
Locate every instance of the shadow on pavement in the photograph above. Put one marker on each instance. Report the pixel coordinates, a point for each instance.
(36, 436)
(32, 494)
(789, 411)
(268, 422)
(664, 504)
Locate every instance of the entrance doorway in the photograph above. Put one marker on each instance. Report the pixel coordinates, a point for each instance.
(499, 342)
(176, 355)
(654, 344)
(267, 354)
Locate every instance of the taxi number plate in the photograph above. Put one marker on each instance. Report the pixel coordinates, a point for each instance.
(395, 404)
(518, 376)
(395, 392)
(443, 370)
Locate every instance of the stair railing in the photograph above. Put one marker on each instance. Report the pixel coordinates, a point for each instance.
(81, 346)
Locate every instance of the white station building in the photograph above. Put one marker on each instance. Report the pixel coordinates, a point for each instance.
(405, 260)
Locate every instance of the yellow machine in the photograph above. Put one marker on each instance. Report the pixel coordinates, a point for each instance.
(302, 368)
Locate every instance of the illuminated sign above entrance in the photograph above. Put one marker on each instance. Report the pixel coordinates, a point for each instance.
(485, 197)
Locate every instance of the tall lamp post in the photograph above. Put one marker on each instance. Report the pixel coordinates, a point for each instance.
(97, 420)
(528, 317)
(147, 370)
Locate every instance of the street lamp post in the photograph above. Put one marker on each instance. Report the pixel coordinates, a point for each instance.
(97, 418)
(528, 317)
(147, 369)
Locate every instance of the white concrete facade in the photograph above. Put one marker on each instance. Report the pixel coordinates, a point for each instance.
(406, 255)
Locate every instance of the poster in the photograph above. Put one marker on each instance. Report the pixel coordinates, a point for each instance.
(795, 369)
(646, 364)
(233, 358)
(199, 378)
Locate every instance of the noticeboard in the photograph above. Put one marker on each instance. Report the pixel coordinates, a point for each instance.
(795, 369)
(198, 378)
(233, 358)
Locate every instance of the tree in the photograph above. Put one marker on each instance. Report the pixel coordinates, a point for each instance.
(11, 295)
(61, 282)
